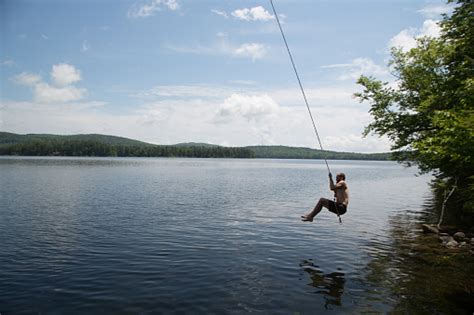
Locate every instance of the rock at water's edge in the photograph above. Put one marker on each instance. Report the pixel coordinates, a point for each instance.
(452, 244)
(446, 239)
(459, 236)
(429, 229)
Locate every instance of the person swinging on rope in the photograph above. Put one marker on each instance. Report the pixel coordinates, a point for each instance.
(339, 206)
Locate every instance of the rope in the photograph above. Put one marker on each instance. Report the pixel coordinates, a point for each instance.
(304, 94)
(299, 82)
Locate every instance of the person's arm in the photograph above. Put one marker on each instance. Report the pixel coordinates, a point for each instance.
(341, 184)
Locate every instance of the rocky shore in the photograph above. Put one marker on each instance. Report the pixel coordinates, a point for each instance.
(451, 237)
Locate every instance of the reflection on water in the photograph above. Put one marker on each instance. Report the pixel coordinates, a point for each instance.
(330, 285)
(213, 236)
(425, 277)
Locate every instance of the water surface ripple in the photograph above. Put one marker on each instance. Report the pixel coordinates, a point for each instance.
(210, 236)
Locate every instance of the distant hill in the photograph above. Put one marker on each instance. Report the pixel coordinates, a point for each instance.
(285, 152)
(196, 144)
(12, 138)
(104, 145)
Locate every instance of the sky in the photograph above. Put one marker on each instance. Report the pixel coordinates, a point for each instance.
(173, 71)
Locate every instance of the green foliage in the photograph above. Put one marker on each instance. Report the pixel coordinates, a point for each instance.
(196, 144)
(283, 152)
(11, 138)
(60, 147)
(101, 145)
(429, 115)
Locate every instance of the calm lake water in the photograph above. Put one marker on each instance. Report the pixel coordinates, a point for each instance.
(210, 236)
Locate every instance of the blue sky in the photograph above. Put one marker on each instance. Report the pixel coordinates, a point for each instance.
(170, 71)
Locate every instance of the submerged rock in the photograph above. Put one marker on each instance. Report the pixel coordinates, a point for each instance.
(452, 244)
(459, 236)
(429, 229)
(446, 239)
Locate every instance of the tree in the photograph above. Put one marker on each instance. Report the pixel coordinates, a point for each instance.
(429, 115)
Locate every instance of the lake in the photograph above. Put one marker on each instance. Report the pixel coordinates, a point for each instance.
(209, 236)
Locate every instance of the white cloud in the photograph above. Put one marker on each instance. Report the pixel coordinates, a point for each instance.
(85, 46)
(140, 10)
(152, 117)
(171, 4)
(357, 67)
(57, 107)
(7, 62)
(252, 50)
(223, 47)
(406, 39)
(45, 93)
(44, 36)
(259, 117)
(430, 28)
(317, 96)
(251, 107)
(64, 74)
(356, 143)
(435, 10)
(206, 113)
(28, 79)
(253, 14)
(221, 13)
(185, 91)
(57, 118)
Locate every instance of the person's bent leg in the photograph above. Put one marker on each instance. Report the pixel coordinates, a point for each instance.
(323, 202)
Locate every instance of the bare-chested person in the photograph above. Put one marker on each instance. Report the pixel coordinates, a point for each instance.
(339, 207)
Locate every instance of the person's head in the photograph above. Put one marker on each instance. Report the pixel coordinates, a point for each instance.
(340, 176)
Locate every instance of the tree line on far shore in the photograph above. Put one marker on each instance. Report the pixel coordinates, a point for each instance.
(284, 152)
(54, 147)
(51, 145)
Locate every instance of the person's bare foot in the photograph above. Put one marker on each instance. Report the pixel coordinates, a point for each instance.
(306, 218)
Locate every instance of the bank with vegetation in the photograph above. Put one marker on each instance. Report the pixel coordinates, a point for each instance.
(429, 117)
(429, 113)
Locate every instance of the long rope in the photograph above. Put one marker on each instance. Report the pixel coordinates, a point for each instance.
(304, 94)
(299, 82)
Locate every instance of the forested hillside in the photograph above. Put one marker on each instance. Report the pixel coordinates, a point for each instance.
(103, 145)
(284, 152)
(13, 138)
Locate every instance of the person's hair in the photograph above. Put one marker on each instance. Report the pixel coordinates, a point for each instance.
(342, 175)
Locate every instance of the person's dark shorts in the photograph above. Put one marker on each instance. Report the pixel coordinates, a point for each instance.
(341, 208)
